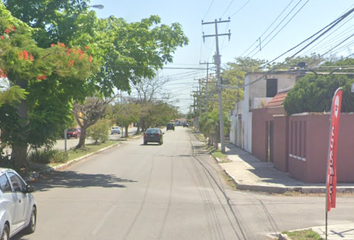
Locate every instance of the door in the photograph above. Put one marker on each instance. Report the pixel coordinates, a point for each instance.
(22, 201)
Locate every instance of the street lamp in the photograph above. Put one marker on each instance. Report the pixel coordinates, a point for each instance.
(99, 6)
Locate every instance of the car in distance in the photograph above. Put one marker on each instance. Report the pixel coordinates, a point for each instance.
(185, 124)
(115, 130)
(153, 135)
(73, 132)
(17, 204)
(170, 126)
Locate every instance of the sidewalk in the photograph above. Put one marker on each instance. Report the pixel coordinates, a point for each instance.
(249, 173)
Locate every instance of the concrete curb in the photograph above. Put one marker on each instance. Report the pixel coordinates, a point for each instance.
(283, 236)
(36, 175)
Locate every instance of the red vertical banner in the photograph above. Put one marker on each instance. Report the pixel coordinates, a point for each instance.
(331, 175)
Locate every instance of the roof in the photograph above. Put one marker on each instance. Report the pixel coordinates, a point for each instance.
(277, 100)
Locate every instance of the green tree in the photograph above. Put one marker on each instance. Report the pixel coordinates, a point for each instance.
(123, 114)
(54, 21)
(36, 71)
(88, 113)
(311, 94)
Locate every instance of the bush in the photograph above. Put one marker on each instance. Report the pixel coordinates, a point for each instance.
(99, 131)
(48, 156)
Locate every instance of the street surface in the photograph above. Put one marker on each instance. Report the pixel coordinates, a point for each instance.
(169, 192)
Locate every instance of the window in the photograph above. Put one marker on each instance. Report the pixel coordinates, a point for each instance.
(272, 87)
(4, 184)
(17, 183)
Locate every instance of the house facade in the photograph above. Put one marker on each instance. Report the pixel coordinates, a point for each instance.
(259, 89)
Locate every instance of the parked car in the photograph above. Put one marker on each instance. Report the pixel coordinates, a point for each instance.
(185, 124)
(115, 130)
(153, 135)
(170, 126)
(73, 132)
(17, 204)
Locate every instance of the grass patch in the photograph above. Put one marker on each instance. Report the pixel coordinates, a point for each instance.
(229, 181)
(89, 148)
(307, 234)
(200, 137)
(219, 155)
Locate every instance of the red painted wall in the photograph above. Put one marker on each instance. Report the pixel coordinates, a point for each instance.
(313, 169)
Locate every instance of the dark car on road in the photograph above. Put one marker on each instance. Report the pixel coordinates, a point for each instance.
(170, 126)
(73, 132)
(153, 135)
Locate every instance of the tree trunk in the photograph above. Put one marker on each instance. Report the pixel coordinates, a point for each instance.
(126, 131)
(19, 146)
(19, 155)
(82, 138)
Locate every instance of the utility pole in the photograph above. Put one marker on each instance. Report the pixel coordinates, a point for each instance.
(206, 85)
(218, 62)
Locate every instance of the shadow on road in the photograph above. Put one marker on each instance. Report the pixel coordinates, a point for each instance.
(70, 179)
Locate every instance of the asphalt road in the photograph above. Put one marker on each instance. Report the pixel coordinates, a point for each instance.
(173, 191)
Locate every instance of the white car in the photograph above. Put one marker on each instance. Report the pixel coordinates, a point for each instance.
(18, 209)
(115, 130)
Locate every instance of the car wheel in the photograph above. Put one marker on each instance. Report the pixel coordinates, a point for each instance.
(5, 233)
(33, 221)
(145, 143)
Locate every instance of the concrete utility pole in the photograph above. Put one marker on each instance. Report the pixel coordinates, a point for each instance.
(206, 85)
(218, 62)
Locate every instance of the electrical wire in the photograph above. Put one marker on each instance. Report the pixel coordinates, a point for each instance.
(276, 19)
(227, 9)
(338, 45)
(208, 9)
(284, 24)
(330, 26)
(330, 41)
(244, 5)
(336, 22)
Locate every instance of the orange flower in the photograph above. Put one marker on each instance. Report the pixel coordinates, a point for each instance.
(2, 37)
(7, 31)
(52, 45)
(72, 62)
(13, 28)
(86, 47)
(90, 59)
(31, 57)
(25, 54)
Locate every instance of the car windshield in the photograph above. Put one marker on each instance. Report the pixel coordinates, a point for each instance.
(152, 130)
(72, 130)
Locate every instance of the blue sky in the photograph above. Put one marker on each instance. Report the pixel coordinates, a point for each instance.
(249, 21)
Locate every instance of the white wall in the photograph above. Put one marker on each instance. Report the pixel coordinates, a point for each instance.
(255, 90)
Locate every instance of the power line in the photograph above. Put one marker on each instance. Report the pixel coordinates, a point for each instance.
(336, 22)
(244, 5)
(227, 9)
(208, 9)
(284, 24)
(276, 19)
(330, 26)
(330, 41)
(337, 45)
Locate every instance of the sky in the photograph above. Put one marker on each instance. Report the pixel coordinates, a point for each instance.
(261, 29)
